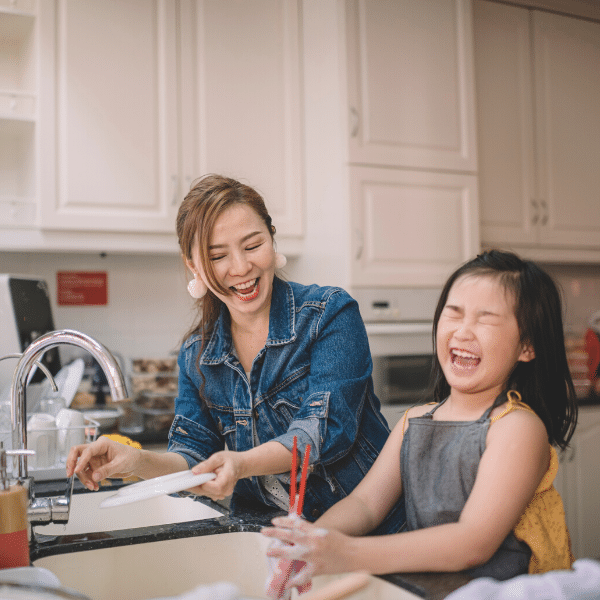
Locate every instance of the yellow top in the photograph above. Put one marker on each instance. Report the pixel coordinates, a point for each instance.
(542, 526)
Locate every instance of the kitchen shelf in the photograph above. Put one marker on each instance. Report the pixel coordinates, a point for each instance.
(17, 51)
(17, 160)
(17, 106)
(18, 7)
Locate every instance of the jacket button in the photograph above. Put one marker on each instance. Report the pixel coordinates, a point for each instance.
(315, 512)
(255, 414)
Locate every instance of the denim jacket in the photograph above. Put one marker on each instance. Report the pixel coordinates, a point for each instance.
(311, 380)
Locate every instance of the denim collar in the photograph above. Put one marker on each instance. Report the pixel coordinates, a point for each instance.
(282, 326)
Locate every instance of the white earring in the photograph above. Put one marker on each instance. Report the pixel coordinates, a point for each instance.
(196, 288)
(280, 260)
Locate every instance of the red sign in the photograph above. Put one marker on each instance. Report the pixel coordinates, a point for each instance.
(79, 288)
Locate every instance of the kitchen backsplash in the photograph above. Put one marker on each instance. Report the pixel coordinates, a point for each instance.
(581, 293)
(149, 309)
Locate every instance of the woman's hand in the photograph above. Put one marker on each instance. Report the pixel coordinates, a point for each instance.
(324, 551)
(101, 459)
(228, 467)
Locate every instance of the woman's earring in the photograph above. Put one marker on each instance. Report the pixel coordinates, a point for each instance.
(280, 260)
(196, 288)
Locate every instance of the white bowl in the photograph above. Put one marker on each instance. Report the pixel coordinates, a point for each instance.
(105, 417)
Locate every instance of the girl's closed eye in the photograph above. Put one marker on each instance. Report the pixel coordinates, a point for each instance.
(451, 312)
(489, 318)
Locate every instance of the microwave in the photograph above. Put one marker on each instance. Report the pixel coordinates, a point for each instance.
(399, 324)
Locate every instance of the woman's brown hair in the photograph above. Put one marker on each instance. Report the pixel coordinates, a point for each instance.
(209, 197)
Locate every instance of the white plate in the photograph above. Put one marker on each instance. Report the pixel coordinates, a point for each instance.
(167, 484)
(67, 380)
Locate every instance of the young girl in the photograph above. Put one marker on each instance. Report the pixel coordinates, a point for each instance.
(476, 469)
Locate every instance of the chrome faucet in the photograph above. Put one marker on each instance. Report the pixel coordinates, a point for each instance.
(56, 510)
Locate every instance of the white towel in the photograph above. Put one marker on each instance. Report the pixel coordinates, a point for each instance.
(580, 583)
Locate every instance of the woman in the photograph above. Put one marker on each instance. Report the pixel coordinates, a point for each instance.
(267, 361)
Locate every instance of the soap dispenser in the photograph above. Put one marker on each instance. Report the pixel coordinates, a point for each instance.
(14, 530)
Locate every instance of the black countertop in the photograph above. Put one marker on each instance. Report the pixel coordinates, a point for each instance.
(432, 586)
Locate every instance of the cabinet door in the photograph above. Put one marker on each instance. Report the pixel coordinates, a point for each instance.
(583, 476)
(538, 92)
(503, 78)
(567, 84)
(410, 82)
(411, 227)
(249, 123)
(108, 115)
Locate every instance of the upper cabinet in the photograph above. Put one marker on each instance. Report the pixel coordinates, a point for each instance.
(249, 122)
(538, 92)
(137, 99)
(411, 228)
(110, 115)
(411, 150)
(410, 82)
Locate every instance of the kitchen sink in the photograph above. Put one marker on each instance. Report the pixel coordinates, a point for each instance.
(173, 567)
(86, 516)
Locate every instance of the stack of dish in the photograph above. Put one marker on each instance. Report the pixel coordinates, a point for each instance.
(153, 387)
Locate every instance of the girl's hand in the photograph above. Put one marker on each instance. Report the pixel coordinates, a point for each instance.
(324, 551)
(227, 466)
(101, 459)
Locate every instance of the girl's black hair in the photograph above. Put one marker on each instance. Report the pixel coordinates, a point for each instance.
(545, 382)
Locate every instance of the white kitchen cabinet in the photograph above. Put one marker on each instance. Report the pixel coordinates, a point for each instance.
(249, 123)
(538, 92)
(18, 114)
(578, 482)
(410, 84)
(109, 113)
(411, 228)
(411, 149)
(137, 98)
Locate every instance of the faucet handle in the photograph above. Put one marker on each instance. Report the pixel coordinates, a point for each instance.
(61, 505)
(4, 481)
(38, 364)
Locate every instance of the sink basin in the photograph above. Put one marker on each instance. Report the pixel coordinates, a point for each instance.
(87, 517)
(173, 567)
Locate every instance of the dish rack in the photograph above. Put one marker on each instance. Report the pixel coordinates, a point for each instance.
(91, 429)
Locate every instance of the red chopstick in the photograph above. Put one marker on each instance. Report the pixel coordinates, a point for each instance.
(303, 481)
(293, 474)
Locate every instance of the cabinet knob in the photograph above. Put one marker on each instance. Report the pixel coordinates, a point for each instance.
(174, 189)
(354, 122)
(359, 243)
(536, 212)
(544, 207)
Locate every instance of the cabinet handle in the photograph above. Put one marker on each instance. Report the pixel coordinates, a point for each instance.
(544, 207)
(174, 189)
(359, 243)
(354, 122)
(536, 212)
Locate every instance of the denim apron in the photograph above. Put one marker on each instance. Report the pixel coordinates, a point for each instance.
(439, 462)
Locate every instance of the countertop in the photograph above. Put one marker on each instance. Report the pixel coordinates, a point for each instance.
(432, 586)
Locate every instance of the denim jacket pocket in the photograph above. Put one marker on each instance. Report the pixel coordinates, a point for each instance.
(193, 438)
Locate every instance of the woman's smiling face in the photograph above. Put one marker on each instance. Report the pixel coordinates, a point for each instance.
(478, 339)
(243, 258)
